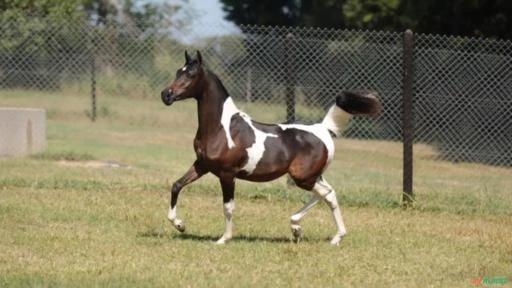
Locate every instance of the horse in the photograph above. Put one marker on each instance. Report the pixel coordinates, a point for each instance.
(229, 144)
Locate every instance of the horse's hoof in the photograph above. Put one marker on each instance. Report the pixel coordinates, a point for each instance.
(296, 232)
(336, 240)
(179, 225)
(222, 240)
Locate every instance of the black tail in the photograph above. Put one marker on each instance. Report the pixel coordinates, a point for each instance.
(359, 102)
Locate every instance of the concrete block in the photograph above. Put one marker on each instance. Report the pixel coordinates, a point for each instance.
(22, 131)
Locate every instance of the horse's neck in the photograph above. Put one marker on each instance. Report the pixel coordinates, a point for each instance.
(209, 109)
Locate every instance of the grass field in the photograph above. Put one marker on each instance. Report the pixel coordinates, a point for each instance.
(68, 219)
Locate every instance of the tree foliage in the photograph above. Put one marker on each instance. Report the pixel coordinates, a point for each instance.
(55, 9)
(44, 34)
(143, 16)
(372, 14)
(263, 12)
(481, 18)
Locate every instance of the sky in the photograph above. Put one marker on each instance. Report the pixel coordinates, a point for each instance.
(210, 10)
(207, 20)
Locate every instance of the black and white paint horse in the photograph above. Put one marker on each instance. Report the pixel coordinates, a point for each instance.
(229, 144)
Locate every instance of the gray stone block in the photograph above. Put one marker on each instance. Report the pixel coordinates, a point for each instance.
(22, 131)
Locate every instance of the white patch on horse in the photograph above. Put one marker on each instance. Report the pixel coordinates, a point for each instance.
(178, 223)
(320, 131)
(184, 68)
(255, 152)
(336, 120)
(228, 110)
(228, 215)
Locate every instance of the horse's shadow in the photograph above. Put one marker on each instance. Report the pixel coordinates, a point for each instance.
(237, 238)
(213, 238)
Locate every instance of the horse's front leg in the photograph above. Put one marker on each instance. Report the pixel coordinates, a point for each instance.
(195, 172)
(228, 197)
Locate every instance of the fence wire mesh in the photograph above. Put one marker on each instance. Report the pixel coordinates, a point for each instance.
(463, 97)
(462, 87)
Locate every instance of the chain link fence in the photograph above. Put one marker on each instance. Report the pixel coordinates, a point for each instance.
(462, 87)
(463, 92)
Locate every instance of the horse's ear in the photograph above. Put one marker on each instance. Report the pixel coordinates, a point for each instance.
(187, 58)
(199, 57)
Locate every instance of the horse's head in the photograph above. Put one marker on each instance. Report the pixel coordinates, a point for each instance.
(188, 81)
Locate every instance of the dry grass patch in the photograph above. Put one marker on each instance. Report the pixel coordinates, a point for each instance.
(121, 238)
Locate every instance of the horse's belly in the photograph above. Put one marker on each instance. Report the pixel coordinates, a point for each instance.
(261, 176)
(265, 166)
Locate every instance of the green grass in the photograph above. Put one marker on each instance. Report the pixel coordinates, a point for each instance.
(67, 220)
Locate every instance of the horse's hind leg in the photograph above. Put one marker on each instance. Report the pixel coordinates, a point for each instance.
(195, 172)
(324, 190)
(295, 219)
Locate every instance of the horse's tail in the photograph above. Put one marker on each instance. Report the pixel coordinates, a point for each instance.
(356, 102)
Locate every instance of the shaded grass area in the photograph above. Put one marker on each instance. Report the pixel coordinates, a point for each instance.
(83, 226)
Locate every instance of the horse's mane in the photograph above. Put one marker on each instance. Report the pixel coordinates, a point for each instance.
(217, 81)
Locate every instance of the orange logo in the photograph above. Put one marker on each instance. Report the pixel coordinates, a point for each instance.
(477, 281)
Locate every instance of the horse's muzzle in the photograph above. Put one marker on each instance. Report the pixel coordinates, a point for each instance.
(167, 96)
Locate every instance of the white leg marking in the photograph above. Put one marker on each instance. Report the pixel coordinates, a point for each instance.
(324, 190)
(228, 110)
(228, 225)
(171, 215)
(299, 214)
(255, 152)
(295, 219)
(178, 223)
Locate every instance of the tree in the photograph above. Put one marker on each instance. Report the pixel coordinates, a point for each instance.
(323, 13)
(285, 12)
(44, 34)
(480, 18)
(99, 10)
(372, 14)
(263, 12)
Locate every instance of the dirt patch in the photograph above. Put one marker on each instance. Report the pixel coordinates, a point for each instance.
(95, 164)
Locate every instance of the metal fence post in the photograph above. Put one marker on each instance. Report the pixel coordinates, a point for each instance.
(290, 77)
(92, 52)
(408, 119)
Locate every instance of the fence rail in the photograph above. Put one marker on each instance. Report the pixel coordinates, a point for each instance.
(462, 87)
